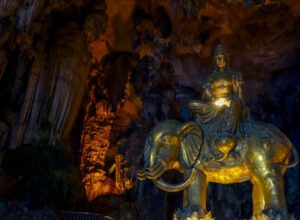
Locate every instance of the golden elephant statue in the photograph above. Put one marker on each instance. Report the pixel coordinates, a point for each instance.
(261, 157)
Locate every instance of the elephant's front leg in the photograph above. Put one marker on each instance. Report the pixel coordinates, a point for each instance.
(194, 198)
(268, 195)
(271, 184)
(267, 182)
(257, 197)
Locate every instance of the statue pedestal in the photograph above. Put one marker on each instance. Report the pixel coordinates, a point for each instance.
(188, 214)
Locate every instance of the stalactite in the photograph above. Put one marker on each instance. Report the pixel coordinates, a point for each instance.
(25, 14)
(95, 140)
(69, 68)
(36, 92)
(27, 112)
(61, 87)
(3, 133)
(8, 7)
(3, 61)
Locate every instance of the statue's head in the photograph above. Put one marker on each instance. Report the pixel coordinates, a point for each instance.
(221, 57)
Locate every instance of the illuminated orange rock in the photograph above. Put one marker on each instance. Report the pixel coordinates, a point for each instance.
(101, 125)
(97, 183)
(95, 143)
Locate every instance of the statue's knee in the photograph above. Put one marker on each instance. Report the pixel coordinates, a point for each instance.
(235, 107)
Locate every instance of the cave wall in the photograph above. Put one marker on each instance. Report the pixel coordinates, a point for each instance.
(46, 73)
(100, 74)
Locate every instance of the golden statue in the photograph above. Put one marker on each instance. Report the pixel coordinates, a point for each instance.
(123, 181)
(223, 145)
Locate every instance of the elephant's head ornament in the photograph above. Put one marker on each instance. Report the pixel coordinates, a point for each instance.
(172, 145)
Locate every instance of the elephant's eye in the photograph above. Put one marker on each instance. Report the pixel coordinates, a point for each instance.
(169, 140)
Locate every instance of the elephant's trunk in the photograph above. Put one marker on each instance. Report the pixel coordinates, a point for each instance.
(176, 187)
(153, 172)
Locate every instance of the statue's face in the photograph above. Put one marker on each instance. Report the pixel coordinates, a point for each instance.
(220, 60)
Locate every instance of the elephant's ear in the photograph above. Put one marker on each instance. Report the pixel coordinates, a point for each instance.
(191, 142)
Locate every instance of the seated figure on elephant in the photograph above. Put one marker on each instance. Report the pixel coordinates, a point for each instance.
(222, 113)
(223, 145)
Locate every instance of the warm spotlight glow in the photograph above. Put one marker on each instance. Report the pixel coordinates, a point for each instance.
(221, 102)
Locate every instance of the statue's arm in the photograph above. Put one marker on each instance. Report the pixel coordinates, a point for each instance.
(208, 93)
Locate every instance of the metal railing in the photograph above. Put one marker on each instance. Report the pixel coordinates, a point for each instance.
(68, 215)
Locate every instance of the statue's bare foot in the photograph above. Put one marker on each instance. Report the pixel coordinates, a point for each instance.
(271, 214)
(192, 213)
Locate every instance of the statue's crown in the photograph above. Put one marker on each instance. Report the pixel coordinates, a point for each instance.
(220, 49)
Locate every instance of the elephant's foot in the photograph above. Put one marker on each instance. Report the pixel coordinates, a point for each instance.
(270, 214)
(192, 213)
